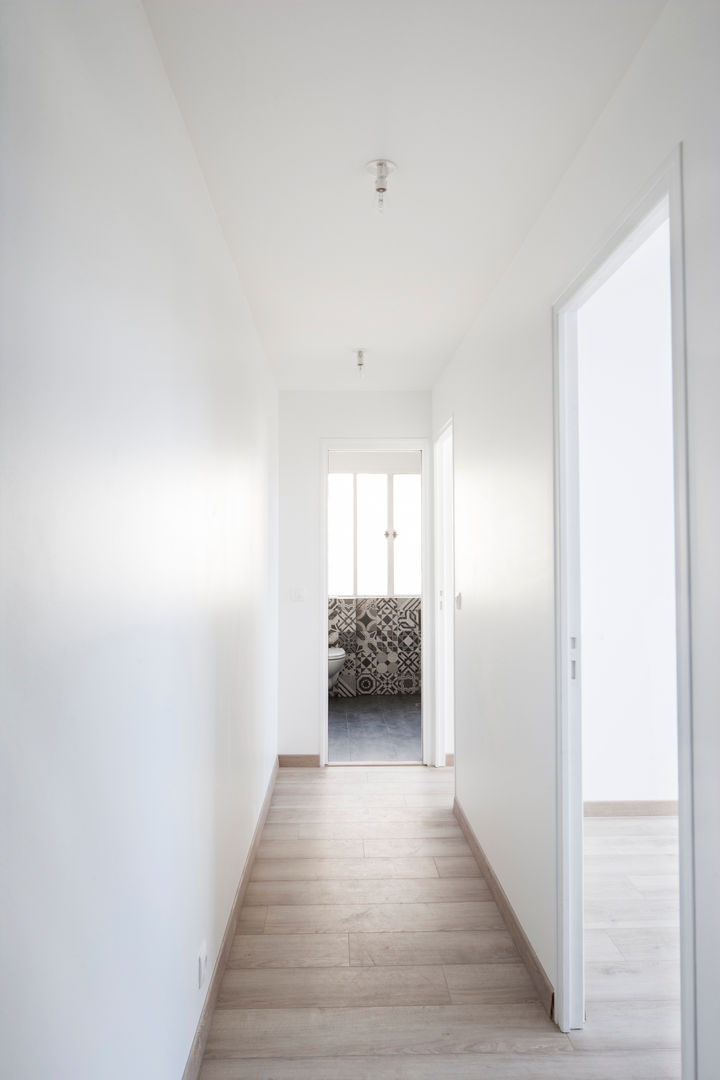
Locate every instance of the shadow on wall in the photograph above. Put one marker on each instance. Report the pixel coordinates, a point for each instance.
(382, 639)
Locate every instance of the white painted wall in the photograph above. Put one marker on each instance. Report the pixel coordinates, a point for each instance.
(499, 388)
(137, 551)
(407, 462)
(305, 420)
(627, 525)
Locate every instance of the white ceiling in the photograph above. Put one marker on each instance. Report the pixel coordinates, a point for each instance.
(481, 103)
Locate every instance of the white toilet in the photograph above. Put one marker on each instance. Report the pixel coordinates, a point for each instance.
(336, 659)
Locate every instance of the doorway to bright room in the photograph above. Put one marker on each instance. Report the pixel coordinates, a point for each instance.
(374, 568)
(627, 630)
(622, 644)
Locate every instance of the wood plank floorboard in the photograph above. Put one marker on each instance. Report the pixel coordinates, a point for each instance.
(367, 830)
(363, 812)
(369, 946)
(634, 826)
(659, 943)
(622, 863)
(656, 887)
(487, 983)
(600, 947)
(386, 793)
(251, 920)
(631, 914)
(262, 988)
(396, 1029)
(629, 1025)
(632, 939)
(368, 891)
(658, 1065)
(338, 869)
(289, 951)
(420, 846)
(459, 866)
(428, 947)
(628, 844)
(622, 980)
(314, 849)
(378, 918)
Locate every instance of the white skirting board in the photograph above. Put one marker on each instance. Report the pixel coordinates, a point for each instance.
(194, 1062)
(536, 971)
(639, 808)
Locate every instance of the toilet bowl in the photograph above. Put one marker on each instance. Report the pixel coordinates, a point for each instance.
(336, 659)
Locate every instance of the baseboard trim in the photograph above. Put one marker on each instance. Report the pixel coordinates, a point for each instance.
(299, 761)
(449, 759)
(194, 1062)
(536, 971)
(636, 808)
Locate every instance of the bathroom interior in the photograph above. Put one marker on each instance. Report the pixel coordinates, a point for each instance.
(374, 606)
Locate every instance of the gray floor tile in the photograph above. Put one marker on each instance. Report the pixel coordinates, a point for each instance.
(375, 727)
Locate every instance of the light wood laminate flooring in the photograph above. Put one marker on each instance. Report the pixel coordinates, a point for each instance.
(632, 937)
(369, 948)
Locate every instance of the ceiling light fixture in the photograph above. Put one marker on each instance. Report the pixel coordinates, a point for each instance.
(361, 362)
(381, 168)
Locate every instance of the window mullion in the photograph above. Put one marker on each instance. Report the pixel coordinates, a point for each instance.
(355, 537)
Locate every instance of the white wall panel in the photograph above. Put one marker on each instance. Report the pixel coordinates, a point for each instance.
(499, 389)
(137, 555)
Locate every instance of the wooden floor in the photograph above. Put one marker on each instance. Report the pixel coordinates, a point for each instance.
(632, 936)
(369, 947)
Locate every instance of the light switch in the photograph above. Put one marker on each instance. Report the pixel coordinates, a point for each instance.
(297, 596)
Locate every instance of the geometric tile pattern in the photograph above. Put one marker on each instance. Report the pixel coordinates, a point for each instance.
(341, 620)
(383, 640)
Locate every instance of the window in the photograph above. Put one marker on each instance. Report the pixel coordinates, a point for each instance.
(371, 541)
(407, 533)
(374, 534)
(341, 534)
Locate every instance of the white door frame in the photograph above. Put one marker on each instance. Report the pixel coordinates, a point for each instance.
(444, 590)
(427, 696)
(661, 201)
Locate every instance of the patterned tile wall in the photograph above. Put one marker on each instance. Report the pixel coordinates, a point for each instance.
(382, 639)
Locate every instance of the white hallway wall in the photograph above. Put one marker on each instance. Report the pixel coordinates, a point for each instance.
(138, 432)
(305, 420)
(499, 388)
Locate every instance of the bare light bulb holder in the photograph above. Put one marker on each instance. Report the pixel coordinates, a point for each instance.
(361, 362)
(382, 169)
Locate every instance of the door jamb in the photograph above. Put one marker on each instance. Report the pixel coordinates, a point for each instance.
(444, 717)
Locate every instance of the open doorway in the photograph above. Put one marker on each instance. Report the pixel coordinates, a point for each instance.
(375, 587)
(628, 685)
(625, 856)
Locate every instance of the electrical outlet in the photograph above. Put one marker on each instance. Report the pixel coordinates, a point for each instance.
(202, 965)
